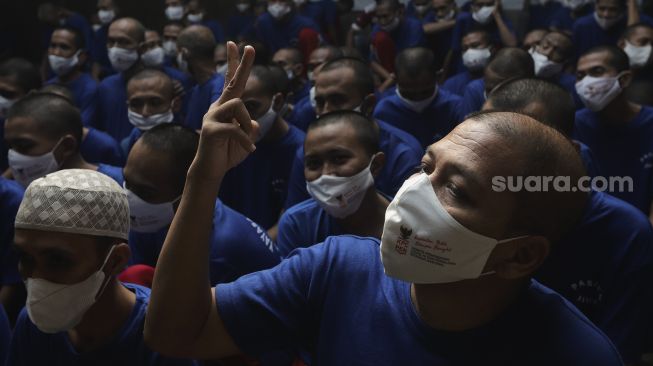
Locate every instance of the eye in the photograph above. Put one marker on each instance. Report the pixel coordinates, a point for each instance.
(455, 192)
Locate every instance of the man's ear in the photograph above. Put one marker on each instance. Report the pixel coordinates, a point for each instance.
(519, 258)
(621, 43)
(176, 104)
(66, 148)
(377, 164)
(368, 104)
(118, 260)
(278, 100)
(625, 79)
(83, 57)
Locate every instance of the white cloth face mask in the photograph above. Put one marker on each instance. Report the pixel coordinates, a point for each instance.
(638, 56)
(106, 16)
(27, 169)
(422, 243)
(266, 121)
(278, 10)
(54, 307)
(606, 23)
(63, 65)
(170, 48)
(544, 67)
(341, 196)
(597, 92)
(148, 217)
(146, 123)
(154, 57)
(475, 59)
(122, 58)
(484, 14)
(174, 12)
(420, 105)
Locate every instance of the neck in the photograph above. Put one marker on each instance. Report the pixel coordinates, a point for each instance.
(133, 70)
(104, 320)
(619, 111)
(77, 162)
(464, 305)
(73, 75)
(278, 130)
(476, 74)
(202, 70)
(298, 84)
(369, 218)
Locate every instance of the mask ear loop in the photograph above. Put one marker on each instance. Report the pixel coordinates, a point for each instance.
(488, 273)
(104, 286)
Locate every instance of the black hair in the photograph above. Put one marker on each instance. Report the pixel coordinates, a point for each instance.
(78, 37)
(632, 28)
(199, 41)
(416, 62)
(363, 78)
(617, 58)
(178, 142)
(273, 78)
(23, 73)
(512, 62)
(297, 55)
(367, 130)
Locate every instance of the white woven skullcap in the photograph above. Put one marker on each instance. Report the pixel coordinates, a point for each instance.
(76, 201)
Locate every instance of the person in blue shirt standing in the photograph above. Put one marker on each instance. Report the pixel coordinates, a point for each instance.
(552, 57)
(67, 57)
(280, 26)
(508, 63)
(618, 131)
(77, 312)
(341, 159)
(419, 107)
(348, 84)
(196, 14)
(392, 33)
(477, 50)
(17, 78)
(606, 24)
(292, 61)
(258, 187)
(107, 12)
(439, 287)
(240, 23)
(195, 46)
(438, 21)
(610, 286)
(154, 177)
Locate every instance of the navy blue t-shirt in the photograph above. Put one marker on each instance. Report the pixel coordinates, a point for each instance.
(276, 35)
(238, 246)
(473, 97)
(587, 33)
(216, 29)
(200, 99)
(604, 267)
(85, 92)
(408, 34)
(334, 300)
(240, 25)
(457, 83)
(11, 193)
(100, 147)
(323, 13)
(30, 346)
(258, 187)
(589, 161)
(302, 114)
(622, 149)
(541, 16)
(428, 126)
(403, 154)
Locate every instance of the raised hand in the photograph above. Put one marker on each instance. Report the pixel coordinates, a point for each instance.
(228, 133)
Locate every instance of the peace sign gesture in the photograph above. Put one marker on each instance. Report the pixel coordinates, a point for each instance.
(228, 131)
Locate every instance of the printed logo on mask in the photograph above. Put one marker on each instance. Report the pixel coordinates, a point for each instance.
(403, 240)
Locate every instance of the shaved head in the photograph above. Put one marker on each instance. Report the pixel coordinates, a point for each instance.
(132, 27)
(198, 40)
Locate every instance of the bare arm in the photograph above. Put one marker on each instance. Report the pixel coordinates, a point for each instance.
(437, 27)
(507, 37)
(182, 319)
(633, 12)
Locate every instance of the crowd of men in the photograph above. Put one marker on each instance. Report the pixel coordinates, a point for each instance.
(304, 183)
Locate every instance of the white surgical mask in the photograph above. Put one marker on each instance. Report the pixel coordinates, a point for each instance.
(421, 9)
(484, 14)
(544, 67)
(106, 16)
(597, 92)
(96, 27)
(170, 48)
(154, 57)
(242, 7)
(175, 12)
(606, 23)
(222, 70)
(55, 307)
(391, 26)
(266, 121)
(122, 59)
(311, 96)
(27, 169)
(638, 55)
(278, 10)
(422, 243)
(341, 196)
(146, 123)
(148, 217)
(195, 18)
(182, 63)
(475, 59)
(419, 105)
(63, 65)
(5, 104)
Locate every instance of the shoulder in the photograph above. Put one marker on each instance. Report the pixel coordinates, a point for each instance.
(113, 172)
(11, 192)
(584, 21)
(111, 81)
(294, 137)
(308, 208)
(447, 97)
(584, 116)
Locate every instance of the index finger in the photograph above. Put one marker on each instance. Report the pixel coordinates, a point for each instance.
(236, 86)
(233, 59)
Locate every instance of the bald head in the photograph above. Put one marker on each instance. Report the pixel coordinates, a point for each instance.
(155, 79)
(130, 27)
(198, 41)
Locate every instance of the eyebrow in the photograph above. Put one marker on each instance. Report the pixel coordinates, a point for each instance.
(458, 169)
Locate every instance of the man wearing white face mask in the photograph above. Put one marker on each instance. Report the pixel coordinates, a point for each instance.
(67, 57)
(71, 234)
(196, 14)
(637, 43)
(280, 26)
(448, 284)
(151, 101)
(477, 49)
(619, 132)
(44, 133)
(240, 23)
(292, 61)
(341, 157)
(153, 179)
(258, 187)
(606, 24)
(419, 106)
(107, 13)
(174, 10)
